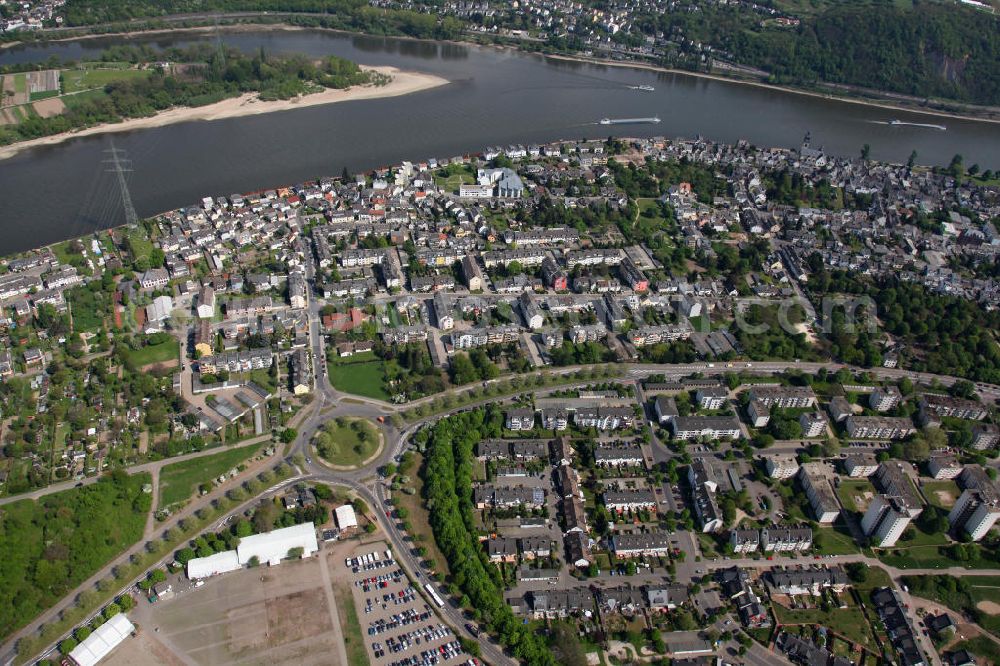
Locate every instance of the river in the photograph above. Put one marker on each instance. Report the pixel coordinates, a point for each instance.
(495, 96)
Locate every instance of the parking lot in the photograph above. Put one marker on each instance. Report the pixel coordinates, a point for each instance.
(398, 626)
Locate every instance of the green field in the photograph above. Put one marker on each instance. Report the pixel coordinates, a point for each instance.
(362, 374)
(347, 442)
(161, 353)
(848, 490)
(354, 643)
(88, 308)
(139, 245)
(20, 83)
(835, 541)
(45, 94)
(181, 479)
(76, 80)
(932, 488)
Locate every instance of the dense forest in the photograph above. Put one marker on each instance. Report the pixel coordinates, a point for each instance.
(355, 15)
(447, 475)
(50, 546)
(942, 334)
(930, 50)
(201, 75)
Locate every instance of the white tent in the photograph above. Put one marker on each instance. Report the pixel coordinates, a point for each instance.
(346, 517)
(105, 638)
(219, 563)
(272, 547)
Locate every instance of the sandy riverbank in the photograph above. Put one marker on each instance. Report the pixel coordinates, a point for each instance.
(785, 89)
(402, 83)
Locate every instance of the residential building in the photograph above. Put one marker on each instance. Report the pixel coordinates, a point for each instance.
(985, 436)
(893, 480)
(975, 512)
(932, 407)
(812, 424)
(533, 317)
(206, 303)
(744, 541)
(643, 544)
(839, 409)
(784, 397)
(301, 373)
(781, 465)
(860, 465)
(502, 550)
(811, 580)
(815, 479)
(944, 466)
(879, 427)
(758, 413)
(665, 407)
(604, 418)
(703, 487)
(884, 399)
(621, 501)
(154, 278)
(711, 397)
(606, 455)
(472, 273)
(712, 427)
(786, 539)
(893, 612)
(520, 419)
(885, 520)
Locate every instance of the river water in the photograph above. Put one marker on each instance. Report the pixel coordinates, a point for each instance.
(495, 97)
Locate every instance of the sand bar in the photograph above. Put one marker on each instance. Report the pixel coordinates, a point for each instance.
(402, 83)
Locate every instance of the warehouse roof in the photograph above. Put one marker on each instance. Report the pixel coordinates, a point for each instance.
(105, 638)
(273, 547)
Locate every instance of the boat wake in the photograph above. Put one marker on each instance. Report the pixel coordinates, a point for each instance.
(900, 123)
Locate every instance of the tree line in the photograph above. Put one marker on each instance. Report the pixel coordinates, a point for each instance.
(447, 476)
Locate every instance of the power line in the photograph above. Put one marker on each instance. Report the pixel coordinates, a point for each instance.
(119, 165)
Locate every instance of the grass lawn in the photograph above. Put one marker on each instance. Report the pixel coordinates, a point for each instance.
(418, 517)
(181, 479)
(75, 80)
(347, 442)
(836, 540)
(847, 622)
(350, 627)
(932, 556)
(89, 308)
(20, 82)
(161, 353)
(79, 98)
(982, 647)
(363, 376)
(849, 490)
(941, 494)
(139, 245)
(45, 94)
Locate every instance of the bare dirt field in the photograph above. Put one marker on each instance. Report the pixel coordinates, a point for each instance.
(266, 616)
(47, 108)
(944, 498)
(991, 607)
